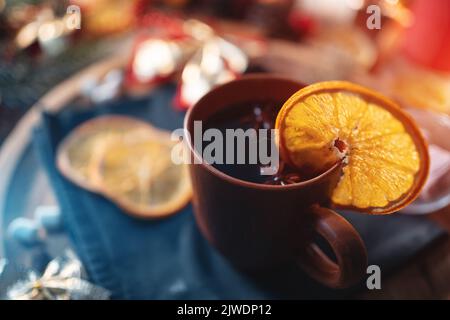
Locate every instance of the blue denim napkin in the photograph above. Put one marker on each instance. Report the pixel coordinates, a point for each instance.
(169, 259)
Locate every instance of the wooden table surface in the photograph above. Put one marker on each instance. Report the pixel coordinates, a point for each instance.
(426, 276)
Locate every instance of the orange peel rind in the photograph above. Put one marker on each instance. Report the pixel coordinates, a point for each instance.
(384, 156)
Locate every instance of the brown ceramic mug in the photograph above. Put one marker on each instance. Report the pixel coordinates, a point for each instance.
(261, 226)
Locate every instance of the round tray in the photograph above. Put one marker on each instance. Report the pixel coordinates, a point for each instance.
(23, 184)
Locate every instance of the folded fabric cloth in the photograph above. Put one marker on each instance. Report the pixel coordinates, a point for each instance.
(169, 259)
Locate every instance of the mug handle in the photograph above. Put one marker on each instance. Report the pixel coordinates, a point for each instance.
(347, 246)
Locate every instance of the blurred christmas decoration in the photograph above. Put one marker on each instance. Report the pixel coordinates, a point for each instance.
(158, 53)
(31, 232)
(43, 26)
(40, 46)
(102, 17)
(216, 62)
(26, 232)
(63, 279)
(192, 48)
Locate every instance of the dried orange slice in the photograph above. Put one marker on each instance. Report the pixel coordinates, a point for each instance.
(383, 154)
(139, 175)
(128, 161)
(76, 151)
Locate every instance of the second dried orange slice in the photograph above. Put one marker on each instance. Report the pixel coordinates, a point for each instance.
(137, 172)
(384, 156)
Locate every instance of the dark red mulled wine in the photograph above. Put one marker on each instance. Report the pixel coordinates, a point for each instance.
(251, 115)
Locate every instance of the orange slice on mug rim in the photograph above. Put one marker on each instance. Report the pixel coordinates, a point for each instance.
(383, 154)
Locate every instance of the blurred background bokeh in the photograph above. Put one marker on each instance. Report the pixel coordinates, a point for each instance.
(398, 47)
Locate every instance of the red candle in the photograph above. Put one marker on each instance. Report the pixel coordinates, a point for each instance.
(427, 40)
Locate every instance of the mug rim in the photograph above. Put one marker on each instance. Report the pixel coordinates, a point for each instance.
(237, 181)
